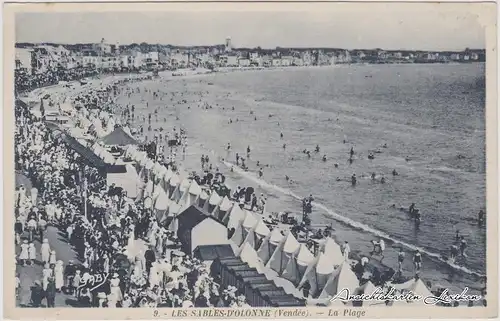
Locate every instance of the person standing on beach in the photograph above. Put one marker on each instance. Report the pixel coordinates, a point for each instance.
(417, 261)
(346, 250)
(401, 258)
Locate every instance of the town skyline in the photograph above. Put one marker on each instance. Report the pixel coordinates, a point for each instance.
(266, 30)
(194, 47)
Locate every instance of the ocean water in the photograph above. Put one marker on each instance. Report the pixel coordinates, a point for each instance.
(433, 115)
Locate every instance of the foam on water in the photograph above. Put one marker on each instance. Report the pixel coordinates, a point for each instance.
(357, 225)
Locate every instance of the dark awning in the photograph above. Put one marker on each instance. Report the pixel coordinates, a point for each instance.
(118, 137)
(90, 158)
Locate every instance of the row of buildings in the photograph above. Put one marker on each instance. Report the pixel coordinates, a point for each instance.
(34, 59)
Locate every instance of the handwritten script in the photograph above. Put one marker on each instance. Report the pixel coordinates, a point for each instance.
(382, 295)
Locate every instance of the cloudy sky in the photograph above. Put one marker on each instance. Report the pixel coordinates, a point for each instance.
(424, 28)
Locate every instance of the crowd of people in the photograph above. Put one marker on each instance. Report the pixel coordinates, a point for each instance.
(124, 256)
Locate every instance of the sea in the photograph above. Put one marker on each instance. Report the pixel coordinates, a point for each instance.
(431, 119)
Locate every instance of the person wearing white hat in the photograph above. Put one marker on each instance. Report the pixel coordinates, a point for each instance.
(102, 297)
(154, 278)
(59, 275)
(46, 274)
(31, 253)
(115, 290)
(24, 255)
(75, 283)
(45, 251)
(52, 259)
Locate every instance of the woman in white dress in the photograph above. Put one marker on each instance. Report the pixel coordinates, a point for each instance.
(105, 263)
(32, 253)
(76, 282)
(152, 232)
(24, 255)
(131, 238)
(154, 279)
(59, 275)
(46, 274)
(137, 275)
(45, 251)
(115, 291)
(52, 259)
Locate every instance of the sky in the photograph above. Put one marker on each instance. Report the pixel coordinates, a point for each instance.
(422, 29)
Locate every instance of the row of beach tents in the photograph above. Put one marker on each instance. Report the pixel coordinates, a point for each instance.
(275, 253)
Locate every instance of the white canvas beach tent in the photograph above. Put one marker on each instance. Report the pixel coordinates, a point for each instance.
(223, 208)
(166, 178)
(245, 227)
(296, 267)
(318, 273)
(269, 244)
(184, 185)
(190, 195)
(173, 187)
(234, 219)
(213, 201)
(332, 250)
(203, 199)
(417, 286)
(161, 204)
(283, 253)
(129, 181)
(145, 191)
(342, 278)
(260, 231)
(249, 256)
(368, 288)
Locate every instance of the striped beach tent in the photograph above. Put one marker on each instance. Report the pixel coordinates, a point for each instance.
(283, 253)
(343, 278)
(223, 208)
(296, 267)
(213, 201)
(269, 244)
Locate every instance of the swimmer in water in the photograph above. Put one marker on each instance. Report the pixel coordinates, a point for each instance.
(336, 165)
(284, 146)
(228, 146)
(317, 149)
(463, 245)
(373, 176)
(394, 173)
(351, 151)
(480, 216)
(308, 154)
(261, 173)
(281, 135)
(353, 179)
(258, 163)
(287, 178)
(382, 180)
(324, 158)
